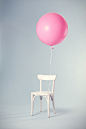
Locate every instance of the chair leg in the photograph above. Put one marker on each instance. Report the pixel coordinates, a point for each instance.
(53, 104)
(48, 105)
(40, 103)
(31, 105)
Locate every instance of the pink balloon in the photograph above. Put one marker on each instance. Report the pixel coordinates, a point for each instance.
(51, 29)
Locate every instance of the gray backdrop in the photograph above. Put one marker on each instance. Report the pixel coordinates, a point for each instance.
(23, 56)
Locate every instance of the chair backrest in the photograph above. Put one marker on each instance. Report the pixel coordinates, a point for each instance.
(47, 77)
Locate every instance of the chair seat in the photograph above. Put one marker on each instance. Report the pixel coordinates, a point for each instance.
(42, 93)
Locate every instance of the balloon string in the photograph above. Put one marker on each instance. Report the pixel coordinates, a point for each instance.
(50, 67)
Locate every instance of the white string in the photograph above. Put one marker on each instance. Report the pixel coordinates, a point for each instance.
(50, 67)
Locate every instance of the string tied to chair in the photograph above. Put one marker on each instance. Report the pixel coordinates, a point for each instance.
(50, 66)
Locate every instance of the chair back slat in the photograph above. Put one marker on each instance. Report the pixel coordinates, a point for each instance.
(46, 77)
(53, 86)
(40, 85)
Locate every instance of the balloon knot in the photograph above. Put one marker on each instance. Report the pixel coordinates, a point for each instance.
(52, 47)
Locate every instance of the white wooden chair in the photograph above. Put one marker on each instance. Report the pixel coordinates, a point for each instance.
(46, 94)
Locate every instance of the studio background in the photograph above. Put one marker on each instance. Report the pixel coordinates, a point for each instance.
(23, 56)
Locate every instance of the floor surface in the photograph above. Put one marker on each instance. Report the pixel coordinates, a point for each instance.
(19, 117)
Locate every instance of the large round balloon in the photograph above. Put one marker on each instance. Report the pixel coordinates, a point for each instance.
(51, 29)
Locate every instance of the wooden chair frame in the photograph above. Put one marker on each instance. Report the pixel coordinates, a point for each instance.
(46, 94)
